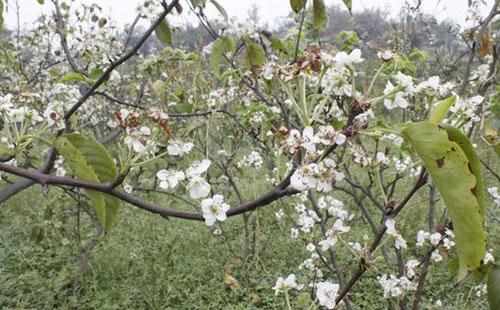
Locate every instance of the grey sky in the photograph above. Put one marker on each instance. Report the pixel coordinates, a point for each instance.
(123, 11)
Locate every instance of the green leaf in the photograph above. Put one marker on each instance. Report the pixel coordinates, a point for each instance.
(348, 4)
(40, 1)
(220, 8)
(416, 55)
(90, 161)
(5, 152)
(163, 32)
(96, 155)
(96, 73)
(458, 184)
(72, 77)
(278, 45)
(184, 108)
(297, 5)
(494, 288)
(320, 17)
(441, 108)
(481, 273)
(75, 160)
(221, 46)
(347, 40)
(255, 55)
(479, 191)
(112, 207)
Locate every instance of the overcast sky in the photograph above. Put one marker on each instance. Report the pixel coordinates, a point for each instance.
(123, 11)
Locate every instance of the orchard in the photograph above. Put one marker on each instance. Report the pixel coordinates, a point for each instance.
(228, 165)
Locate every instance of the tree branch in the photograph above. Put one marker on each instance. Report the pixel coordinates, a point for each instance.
(362, 265)
(121, 60)
(281, 190)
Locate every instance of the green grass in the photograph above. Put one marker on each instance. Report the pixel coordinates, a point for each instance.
(147, 262)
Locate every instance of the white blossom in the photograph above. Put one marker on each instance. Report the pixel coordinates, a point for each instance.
(198, 168)
(394, 286)
(385, 55)
(59, 166)
(127, 188)
(343, 59)
(328, 243)
(399, 242)
(410, 267)
(198, 187)
(137, 139)
(435, 238)
(284, 284)
(488, 257)
(279, 215)
(214, 209)
(316, 176)
(422, 236)
(254, 160)
(431, 83)
(326, 293)
(179, 148)
(436, 257)
(494, 193)
(169, 179)
(310, 247)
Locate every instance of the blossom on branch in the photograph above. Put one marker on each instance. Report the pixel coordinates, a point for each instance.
(214, 209)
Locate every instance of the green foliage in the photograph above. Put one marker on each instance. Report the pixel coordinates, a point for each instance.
(458, 137)
(96, 73)
(494, 288)
(73, 77)
(75, 160)
(164, 33)
(90, 161)
(449, 166)
(347, 40)
(5, 152)
(184, 108)
(297, 5)
(96, 155)
(441, 108)
(255, 55)
(320, 17)
(417, 55)
(407, 63)
(278, 45)
(221, 47)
